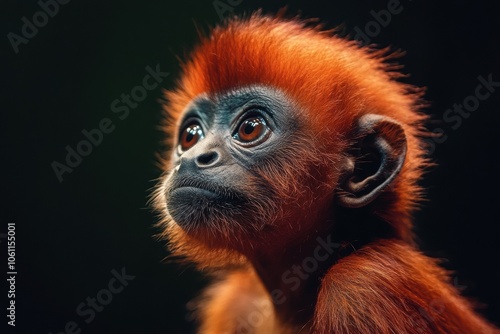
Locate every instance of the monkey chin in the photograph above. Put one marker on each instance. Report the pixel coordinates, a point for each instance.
(201, 210)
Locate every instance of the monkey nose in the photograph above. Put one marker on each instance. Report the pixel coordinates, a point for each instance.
(207, 159)
(192, 162)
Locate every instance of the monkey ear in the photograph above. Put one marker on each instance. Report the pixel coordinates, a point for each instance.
(374, 162)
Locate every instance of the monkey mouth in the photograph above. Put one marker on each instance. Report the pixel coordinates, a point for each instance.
(190, 191)
(194, 204)
(196, 187)
(192, 200)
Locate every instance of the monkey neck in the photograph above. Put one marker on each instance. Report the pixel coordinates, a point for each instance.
(292, 275)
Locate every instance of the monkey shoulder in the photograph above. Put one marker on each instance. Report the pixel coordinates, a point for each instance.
(390, 287)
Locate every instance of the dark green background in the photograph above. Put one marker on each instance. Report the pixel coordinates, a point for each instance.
(70, 235)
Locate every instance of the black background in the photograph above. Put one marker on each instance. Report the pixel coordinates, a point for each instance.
(70, 235)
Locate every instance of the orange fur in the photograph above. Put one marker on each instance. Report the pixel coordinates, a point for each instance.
(242, 306)
(390, 288)
(384, 287)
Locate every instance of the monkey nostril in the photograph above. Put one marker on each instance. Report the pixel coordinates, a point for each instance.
(207, 159)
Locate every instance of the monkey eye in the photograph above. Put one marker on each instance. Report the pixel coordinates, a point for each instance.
(191, 134)
(251, 129)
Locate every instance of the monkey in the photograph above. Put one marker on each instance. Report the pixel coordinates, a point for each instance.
(291, 176)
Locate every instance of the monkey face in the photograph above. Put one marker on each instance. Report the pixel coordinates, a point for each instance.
(248, 164)
(242, 162)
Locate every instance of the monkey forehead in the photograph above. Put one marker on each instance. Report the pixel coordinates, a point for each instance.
(272, 98)
(263, 92)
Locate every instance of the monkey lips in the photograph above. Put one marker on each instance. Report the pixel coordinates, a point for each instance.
(193, 202)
